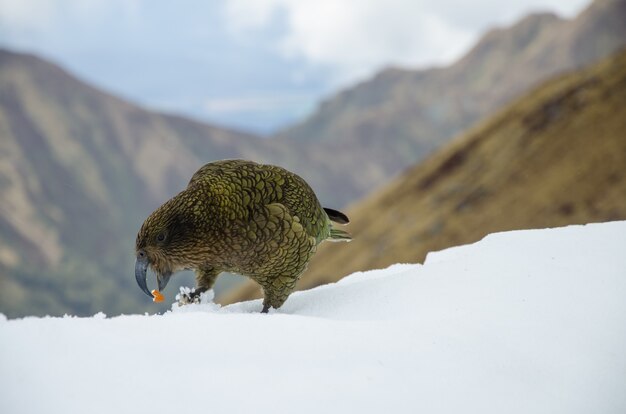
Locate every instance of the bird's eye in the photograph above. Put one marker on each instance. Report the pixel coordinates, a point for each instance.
(160, 237)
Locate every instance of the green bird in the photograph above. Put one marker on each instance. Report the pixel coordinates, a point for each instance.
(237, 216)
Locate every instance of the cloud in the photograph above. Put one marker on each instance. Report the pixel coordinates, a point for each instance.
(348, 39)
(355, 37)
(264, 59)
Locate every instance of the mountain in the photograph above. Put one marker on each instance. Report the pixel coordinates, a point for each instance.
(79, 171)
(374, 130)
(556, 156)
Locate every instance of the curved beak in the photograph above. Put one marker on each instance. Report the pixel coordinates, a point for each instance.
(162, 280)
(141, 267)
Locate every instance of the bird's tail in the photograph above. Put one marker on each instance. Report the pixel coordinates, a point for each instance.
(338, 217)
(339, 235)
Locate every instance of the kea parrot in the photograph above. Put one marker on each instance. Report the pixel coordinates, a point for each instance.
(237, 216)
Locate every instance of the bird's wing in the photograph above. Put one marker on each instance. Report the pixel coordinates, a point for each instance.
(280, 236)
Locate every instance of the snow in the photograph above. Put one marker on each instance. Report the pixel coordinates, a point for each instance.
(521, 322)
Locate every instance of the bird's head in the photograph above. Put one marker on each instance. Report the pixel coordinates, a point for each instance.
(164, 244)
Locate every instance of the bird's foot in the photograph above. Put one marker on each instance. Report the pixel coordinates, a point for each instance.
(188, 296)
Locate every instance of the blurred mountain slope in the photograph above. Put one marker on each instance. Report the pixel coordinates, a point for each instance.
(79, 171)
(555, 157)
(374, 130)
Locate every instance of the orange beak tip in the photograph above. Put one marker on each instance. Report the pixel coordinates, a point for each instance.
(157, 296)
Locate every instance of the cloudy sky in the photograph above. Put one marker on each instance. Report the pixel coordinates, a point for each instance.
(255, 65)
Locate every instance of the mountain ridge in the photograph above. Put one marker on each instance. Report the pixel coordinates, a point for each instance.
(399, 116)
(554, 157)
(80, 168)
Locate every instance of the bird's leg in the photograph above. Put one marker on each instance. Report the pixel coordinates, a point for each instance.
(267, 299)
(266, 308)
(194, 296)
(205, 279)
(276, 292)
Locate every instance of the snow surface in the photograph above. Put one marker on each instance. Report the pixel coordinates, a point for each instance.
(520, 322)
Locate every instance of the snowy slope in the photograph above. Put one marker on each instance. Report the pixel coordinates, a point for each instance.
(520, 322)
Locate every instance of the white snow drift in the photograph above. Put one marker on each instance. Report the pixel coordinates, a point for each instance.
(520, 322)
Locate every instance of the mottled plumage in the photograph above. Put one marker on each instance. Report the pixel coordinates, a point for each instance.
(256, 220)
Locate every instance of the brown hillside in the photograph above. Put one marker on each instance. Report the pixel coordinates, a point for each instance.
(555, 157)
(364, 135)
(79, 171)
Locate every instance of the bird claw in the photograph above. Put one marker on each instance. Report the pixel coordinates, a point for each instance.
(188, 296)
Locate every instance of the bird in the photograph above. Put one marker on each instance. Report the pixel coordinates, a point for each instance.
(257, 220)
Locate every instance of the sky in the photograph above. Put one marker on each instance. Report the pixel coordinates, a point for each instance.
(253, 65)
